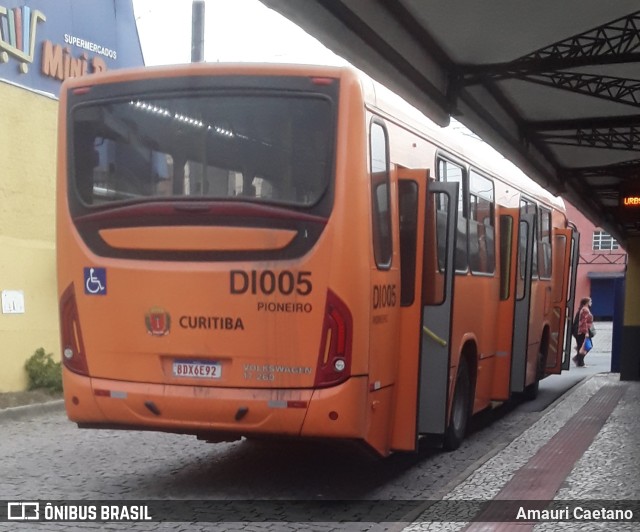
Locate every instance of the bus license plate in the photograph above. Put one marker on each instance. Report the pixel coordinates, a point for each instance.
(197, 370)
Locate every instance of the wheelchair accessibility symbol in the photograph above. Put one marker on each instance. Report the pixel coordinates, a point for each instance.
(95, 281)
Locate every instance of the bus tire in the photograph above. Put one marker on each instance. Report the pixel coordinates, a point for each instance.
(460, 411)
(531, 391)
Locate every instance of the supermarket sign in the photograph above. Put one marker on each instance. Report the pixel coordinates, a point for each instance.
(43, 43)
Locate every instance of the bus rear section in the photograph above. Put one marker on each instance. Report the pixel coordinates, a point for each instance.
(195, 248)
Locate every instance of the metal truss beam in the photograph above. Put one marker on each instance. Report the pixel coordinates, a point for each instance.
(609, 138)
(604, 258)
(619, 90)
(615, 42)
(582, 123)
(625, 170)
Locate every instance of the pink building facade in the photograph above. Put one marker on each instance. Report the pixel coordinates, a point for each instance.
(601, 265)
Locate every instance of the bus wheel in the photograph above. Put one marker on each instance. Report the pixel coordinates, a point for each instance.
(457, 427)
(531, 391)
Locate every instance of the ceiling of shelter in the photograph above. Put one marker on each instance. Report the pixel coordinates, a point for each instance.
(554, 86)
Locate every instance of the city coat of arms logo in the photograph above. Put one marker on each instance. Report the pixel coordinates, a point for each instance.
(158, 321)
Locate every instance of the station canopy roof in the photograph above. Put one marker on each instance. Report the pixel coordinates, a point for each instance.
(553, 86)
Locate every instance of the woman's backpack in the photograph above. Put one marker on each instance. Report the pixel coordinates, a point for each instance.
(575, 325)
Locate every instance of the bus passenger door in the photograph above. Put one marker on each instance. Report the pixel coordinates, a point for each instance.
(571, 294)
(560, 313)
(501, 386)
(411, 208)
(522, 307)
(441, 215)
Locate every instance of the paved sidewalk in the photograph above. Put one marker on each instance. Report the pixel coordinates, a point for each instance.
(582, 453)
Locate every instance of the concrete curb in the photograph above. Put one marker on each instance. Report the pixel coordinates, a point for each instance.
(21, 412)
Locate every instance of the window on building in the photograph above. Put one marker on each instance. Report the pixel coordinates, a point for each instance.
(603, 241)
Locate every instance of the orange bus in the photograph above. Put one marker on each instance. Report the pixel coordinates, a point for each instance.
(269, 250)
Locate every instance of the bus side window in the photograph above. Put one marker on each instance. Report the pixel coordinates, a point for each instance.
(522, 260)
(528, 207)
(506, 234)
(482, 255)
(560, 244)
(382, 243)
(453, 173)
(435, 249)
(544, 247)
(408, 210)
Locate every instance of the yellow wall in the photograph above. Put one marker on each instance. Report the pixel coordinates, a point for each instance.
(27, 229)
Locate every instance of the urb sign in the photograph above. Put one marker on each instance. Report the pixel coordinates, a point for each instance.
(44, 42)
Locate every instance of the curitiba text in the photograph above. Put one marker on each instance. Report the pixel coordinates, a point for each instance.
(211, 322)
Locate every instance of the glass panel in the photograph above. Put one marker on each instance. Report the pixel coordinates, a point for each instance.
(382, 242)
(527, 207)
(558, 268)
(603, 241)
(554, 347)
(452, 173)
(408, 211)
(482, 255)
(261, 148)
(481, 186)
(545, 258)
(435, 250)
(522, 260)
(506, 235)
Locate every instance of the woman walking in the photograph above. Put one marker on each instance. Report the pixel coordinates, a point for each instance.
(585, 324)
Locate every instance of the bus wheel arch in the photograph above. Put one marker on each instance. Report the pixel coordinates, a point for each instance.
(462, 403)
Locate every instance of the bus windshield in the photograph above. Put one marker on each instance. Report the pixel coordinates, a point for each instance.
(273, 148)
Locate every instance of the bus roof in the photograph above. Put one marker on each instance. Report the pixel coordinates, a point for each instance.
(457, 140)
